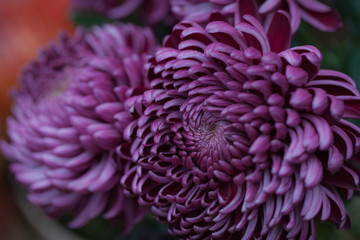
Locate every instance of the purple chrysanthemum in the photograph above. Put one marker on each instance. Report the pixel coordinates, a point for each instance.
(314, 12)
(153, 11)
(241, 139)
(64, 143)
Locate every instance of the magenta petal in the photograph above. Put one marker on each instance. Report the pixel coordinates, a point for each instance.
(346, 178)
(245, 7)
(268, 6)
(295, 14)
(66, 199)
(335, 161)
(311, 139)
(344, 142)
(95, 206)
(301, 99)
(155, 10)
(124, 9)
(314, 172)
(316, 203)
(256, 37)
(324, 132)
(320, 100)
(279, 32)
(296, 76)
(261, 144)
(335, 75)
(326, 21)
(352, 106)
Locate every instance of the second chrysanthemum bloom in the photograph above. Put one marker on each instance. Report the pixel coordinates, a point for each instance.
(65, 144)
(242, 138)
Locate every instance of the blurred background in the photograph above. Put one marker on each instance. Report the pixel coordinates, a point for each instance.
(27, 25)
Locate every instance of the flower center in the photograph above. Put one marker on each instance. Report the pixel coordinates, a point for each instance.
(205, 138)
(53, 86)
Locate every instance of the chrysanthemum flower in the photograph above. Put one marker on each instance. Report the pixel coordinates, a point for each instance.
(153, 11)
(314, 12)
(240, 139)
(64, 143)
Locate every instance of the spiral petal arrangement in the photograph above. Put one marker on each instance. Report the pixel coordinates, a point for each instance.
(316, 13)
(243, 138)
(153, 10)
(66, 142)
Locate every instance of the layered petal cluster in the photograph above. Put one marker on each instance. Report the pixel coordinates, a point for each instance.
(241, 138)
(153, 11)
(66, 142)
(314, 12)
